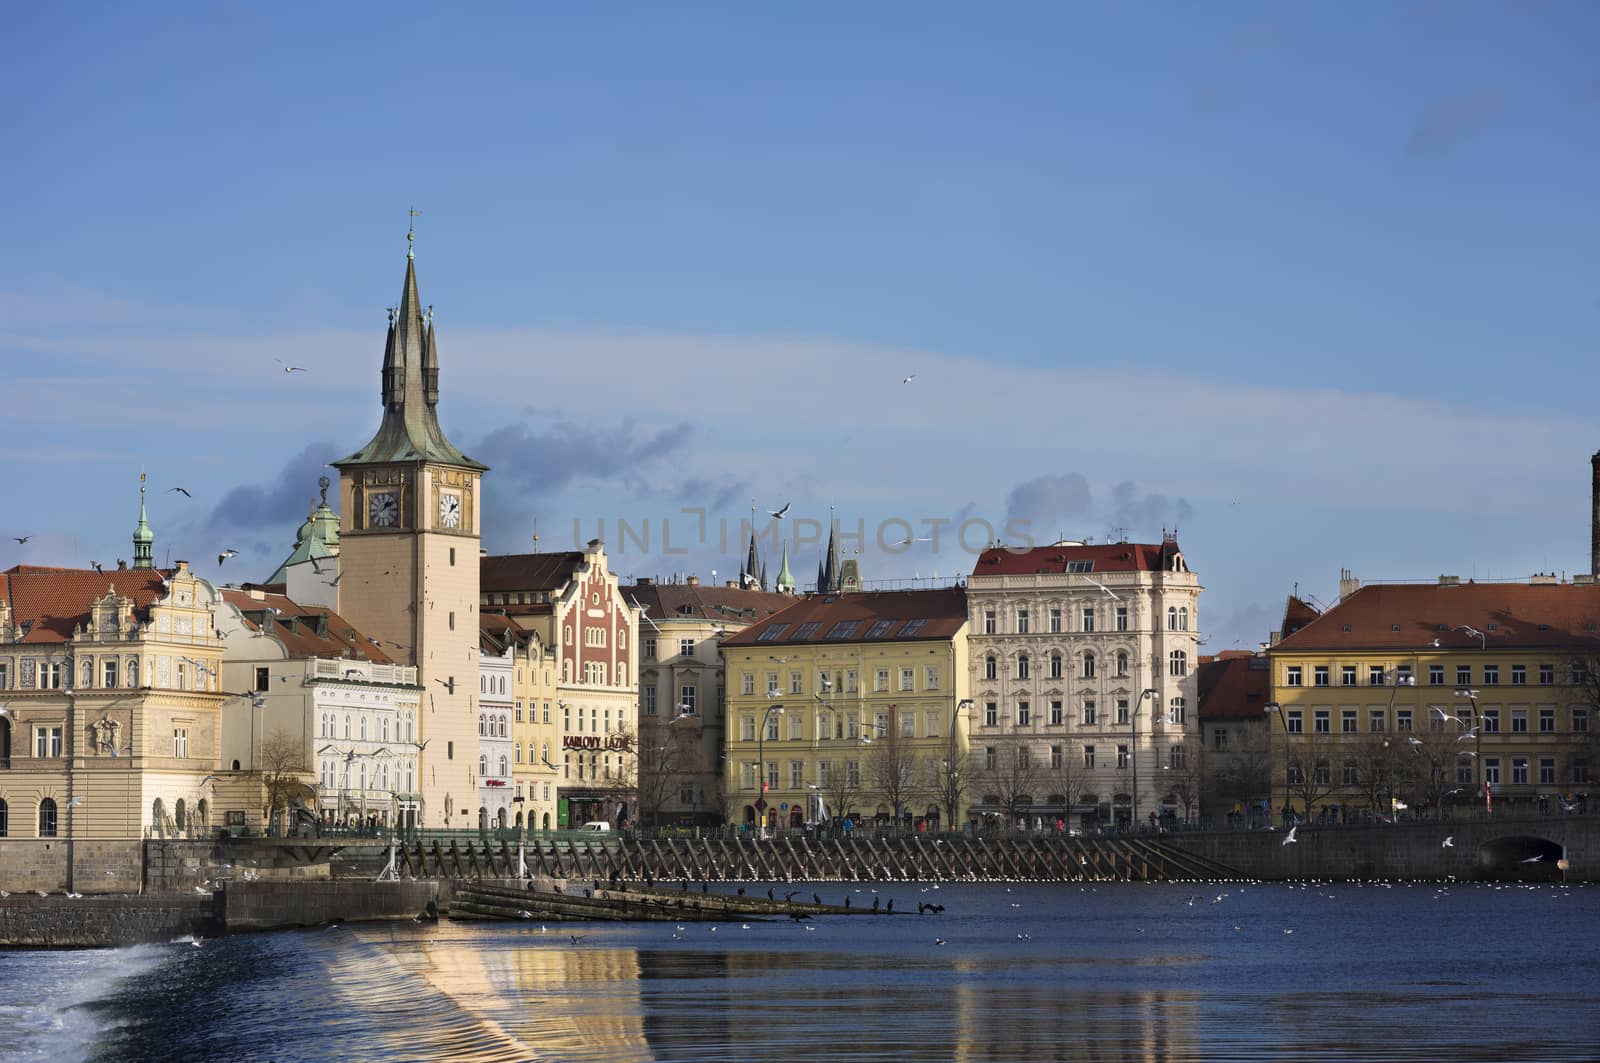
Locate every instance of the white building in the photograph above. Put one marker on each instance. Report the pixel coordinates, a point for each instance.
(1083, 675)
(495, 744)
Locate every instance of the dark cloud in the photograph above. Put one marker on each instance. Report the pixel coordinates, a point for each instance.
(711, 495)
(1242, 628)
(1049, 502)
(1451, 120)
(1146, 513)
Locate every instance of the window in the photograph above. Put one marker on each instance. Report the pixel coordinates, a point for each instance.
(990, 667)
(1402, 720)
(1519, 675)
(1348, 777)
(1122, 618)
(880, 680)
(1322, 773)
(1172, 618)
(747, 683)
(687, 692)
(1080, 566)
(1089, 714)
(109, 673)
(1464, 770)
(991, 714)
(797, 774)
(1088, 666)
(824, 772)
(747, 729)
(1436, 675)
(1178, 663)
(1022, 621)
(1024, 716)
(5, 818)
(1519, 771)
(1292, 676)
(1547, 720)
(1319, 676)
(1375, 675)
(1547, 675)
(1547, 771)
(1122, 711)
(1122, 665)
(1057, 713)
(50, 676)
(795, 684)
(1347, 721)
(649, 702)
(1347, 675)
(483, 725)
(908, 725)
(850, 681)
(1491, 721)
(844, 629)
(1323, 723)
(908, 679)
(47, 818)
(47, 741)
(1122, 756)
(1055, 621)
(772, 732)
(930, 677)
(1055, 666)
(1463, 675)
(1177, 758)
(988, 758)
(1175, 711)
(930, 724)
(180, 741)
(1491, 675)
(1088, 756)
(1022, 666)
(1580, 770)
(988, 622)
(1055, 757)
(1579, 675)
(483, 764)
(878, 629)
(1088, 618)
(1491, 770)
(1519, 721)
(1294, 723)
(1375, 721)
(1580, 721)
(650, 647)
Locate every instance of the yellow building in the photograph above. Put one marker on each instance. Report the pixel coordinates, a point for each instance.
(1418, 696)
(535, 728)
(850, 706)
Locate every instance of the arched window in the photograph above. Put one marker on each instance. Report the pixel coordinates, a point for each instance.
(201, 814)
(505, 769)
(1172, 618)
(347, 726)
(503, 725)
(1022, 666)
(158, 815)
(1183, 618)
(180, 815)
(5, 742)
(1175, 710)
(482, 724)
(990, 668)
(1178, 663)
(5, 818)
(236, 765)
(363, 728)
(1055, 666)
(47, 818)
(1088, 666)
(1122, 663)
(483, 764)
(384, 729)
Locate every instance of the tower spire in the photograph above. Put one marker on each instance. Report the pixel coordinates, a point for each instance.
(143, 538)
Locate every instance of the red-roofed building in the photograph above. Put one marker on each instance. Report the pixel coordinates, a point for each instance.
(1376, 693)
(1234, 688)
(1083, 661)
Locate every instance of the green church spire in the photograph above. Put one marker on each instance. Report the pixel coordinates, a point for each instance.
(143, 538)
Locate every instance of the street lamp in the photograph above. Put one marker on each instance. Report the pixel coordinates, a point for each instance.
(1477, 744)
(761, 762)
(1274, 707)
(1148, 692)
(951, 774)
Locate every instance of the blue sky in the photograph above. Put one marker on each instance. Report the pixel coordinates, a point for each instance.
(1314, 282)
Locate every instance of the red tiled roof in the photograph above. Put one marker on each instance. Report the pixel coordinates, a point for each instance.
(57, 600)
(1106, 557)
(527, 572)
(299, 638)
(942, 612)
(1233, 685)
(1413, 615)
(734, 605)
(1296, 615)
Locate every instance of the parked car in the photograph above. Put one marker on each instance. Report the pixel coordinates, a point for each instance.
(598, 826)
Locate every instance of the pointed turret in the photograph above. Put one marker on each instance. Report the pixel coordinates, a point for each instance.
(143, 538)
(822, 577)
(763, 575)
(785, 578)
(410, 384)
(752, 563)
(830, 571)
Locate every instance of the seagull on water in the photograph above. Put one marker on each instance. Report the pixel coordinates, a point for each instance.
(1290, 839)
(577, 937)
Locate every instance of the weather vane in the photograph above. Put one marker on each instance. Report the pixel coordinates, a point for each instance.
(411, 231)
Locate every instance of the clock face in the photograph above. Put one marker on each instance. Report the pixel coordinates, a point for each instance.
(383, 509)
(450, 511)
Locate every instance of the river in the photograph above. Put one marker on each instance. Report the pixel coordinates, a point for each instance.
(1107, 972)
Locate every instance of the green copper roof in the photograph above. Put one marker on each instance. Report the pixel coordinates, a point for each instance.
(317, 538)
(410, 430)
(143, 538)
(785, 579)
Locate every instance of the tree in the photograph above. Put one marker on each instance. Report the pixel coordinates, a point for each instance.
(1243, 773)
(1011, 784)
(621, 783)
(1381, 769)
(665, 754)
(842, 789)
(1426, 763)
(1182, 776)
(1309, 764)
(282, 767)
(892, 764)
(954, 781)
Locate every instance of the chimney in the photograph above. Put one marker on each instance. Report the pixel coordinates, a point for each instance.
(694, 581)
(1449, 581)
(1348, 584)
(644, 581)
(1594, 522)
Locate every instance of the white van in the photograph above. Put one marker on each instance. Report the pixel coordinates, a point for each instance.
(598, 826)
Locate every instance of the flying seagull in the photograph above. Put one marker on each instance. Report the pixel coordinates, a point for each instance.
(287, 368)
(780, 513)
(1290, 839)
(225, 555)
(96, 566)
(75, 802)
(180, 491)
(1103, 587)
(909, 378)
(908, 540)
(1449, 843)
(748, 579)
(22, 538)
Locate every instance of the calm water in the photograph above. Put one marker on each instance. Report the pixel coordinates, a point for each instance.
(1117, 972)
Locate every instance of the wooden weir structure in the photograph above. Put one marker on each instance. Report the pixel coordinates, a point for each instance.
(921, 858)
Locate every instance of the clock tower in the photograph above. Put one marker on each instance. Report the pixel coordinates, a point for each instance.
(409, 505)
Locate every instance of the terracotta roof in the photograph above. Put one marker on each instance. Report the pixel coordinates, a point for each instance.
(868, 617)
(299, 638)
(527, 572)
(1233, 685)
(497, 631)
(1107, 557)
(732, 605)
(1413, 615)
(57, 600)
(1296, 615)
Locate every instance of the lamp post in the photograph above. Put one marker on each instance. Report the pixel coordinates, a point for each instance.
(1133, 749)
(1401, 679)
(952, 774)
(761, 764)
(1270, 708)
(1477, 746)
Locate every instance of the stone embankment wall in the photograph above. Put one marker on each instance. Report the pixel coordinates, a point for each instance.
(33, 922)
(278, 905)
(98, 866)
